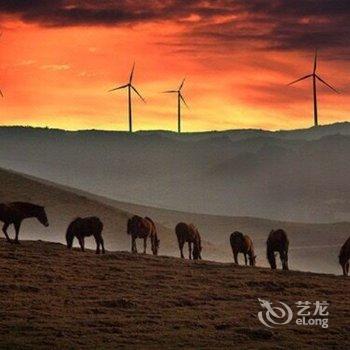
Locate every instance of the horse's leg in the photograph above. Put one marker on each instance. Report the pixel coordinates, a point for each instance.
(81, 243)
(283, 260)
(245, 259)
(134, 248)
(189, 250)
(4, 229)
(144, 245)
(345, 268)
(17, 227)
(97, 240)
(102, 245)
(181, 247)
(235, 256)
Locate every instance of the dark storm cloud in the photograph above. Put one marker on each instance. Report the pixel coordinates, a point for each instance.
(275, 24)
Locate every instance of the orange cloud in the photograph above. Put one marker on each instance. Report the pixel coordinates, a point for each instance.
(55, 73)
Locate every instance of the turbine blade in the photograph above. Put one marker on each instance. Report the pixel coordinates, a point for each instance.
(302, 78)
(132, 73)
(119, 87)
(182, 84)
(315, 61)
(138, 94)
(169, 91)
(332, 88)
(183, 100)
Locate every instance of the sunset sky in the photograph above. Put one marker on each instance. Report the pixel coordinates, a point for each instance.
(59, 58)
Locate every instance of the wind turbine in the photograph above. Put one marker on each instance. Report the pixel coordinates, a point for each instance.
(130, 87)
(180, 99)
(314, 77)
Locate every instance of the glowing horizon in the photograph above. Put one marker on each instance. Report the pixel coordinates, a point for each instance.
(57, 74)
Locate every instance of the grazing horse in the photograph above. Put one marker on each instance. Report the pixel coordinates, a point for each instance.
(85, 227)
(143, 228)
(15, 212)
(189, 233)
(242, 244)
(277, 242)
(344, 257)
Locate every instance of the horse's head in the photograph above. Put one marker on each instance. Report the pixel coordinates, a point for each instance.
(253, 260)
(197, 252)
(155, 246)
(41, 216)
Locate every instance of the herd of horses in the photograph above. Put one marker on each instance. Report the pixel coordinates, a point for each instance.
(144, 228)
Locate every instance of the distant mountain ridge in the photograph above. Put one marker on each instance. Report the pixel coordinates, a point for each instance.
(297, 175)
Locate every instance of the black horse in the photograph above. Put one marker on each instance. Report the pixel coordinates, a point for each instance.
(15, 212)
(85, 227)
(277, 242)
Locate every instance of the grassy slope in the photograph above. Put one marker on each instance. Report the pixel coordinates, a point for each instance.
(59, 299)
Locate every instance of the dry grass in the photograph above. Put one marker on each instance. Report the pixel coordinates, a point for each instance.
(59, 299)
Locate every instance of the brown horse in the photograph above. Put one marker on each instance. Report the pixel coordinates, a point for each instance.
(242, 244)
(15, 212)
(143, 228)
(344, 257)
(189, 233)
(85, 227)
(277, 242)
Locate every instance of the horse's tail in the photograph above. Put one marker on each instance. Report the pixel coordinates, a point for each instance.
(238, 235)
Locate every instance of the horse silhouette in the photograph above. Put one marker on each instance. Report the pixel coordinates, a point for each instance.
(277, 242)
(143, 228)
(85, 227)
(242, 244)
(189, 233)
(344, 257)
(15, 212)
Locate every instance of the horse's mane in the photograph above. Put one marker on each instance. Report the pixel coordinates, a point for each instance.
(150, 220)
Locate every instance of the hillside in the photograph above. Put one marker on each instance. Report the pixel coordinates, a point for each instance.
(313, 247)
(297, 175)
(59, 299)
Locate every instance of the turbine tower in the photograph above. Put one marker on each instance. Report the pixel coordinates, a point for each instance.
(180, 99)
(314, 77)
(130, 87)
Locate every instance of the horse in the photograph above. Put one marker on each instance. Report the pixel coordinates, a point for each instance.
(242, 244)
(143, 228)
(277, 242)
(85, 227)
(189, 233)
(344, 257)
(15, 212)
